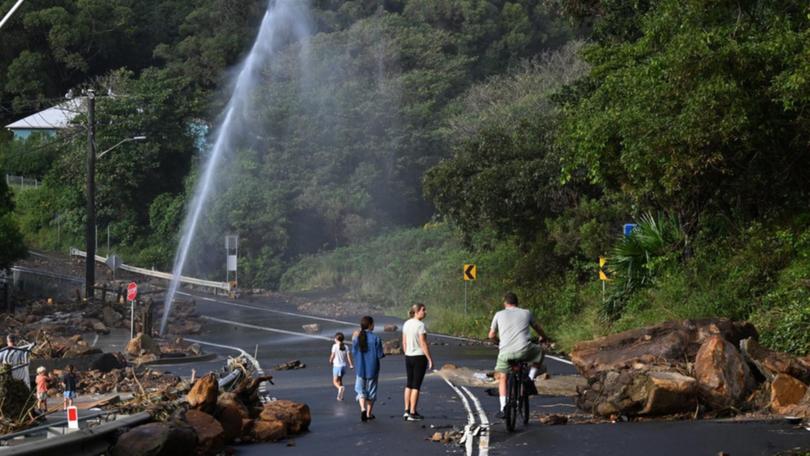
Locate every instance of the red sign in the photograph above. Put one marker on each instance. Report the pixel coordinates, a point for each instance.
(73, 417)
(132, 291)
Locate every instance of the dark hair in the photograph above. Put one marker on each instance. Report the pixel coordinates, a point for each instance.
(339, 336)
(415, 308)
(510, 298)
(365, 323)
(70, 367)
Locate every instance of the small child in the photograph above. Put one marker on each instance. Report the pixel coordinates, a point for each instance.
(42, 389)
(69, 381)
(339, 358)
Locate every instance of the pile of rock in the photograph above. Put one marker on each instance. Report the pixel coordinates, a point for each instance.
(713, 365)
(144, 349)
(335, 308)
(214, 419)
(290, 365)
(72, 317)
(50, 347)
(125, 381)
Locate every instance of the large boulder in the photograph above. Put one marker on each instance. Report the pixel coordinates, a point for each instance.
(203, 394)
(142, 344)
(210, 434)
(771, 363)
(669, 392)
(638, 392)
(156, 439)
(786, 392)
(392, 347)
(671, 342)
(229, 399)
(268, 430)
(230, 417)
(723, 376)
(295, 416)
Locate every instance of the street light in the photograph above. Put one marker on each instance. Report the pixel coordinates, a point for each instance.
(134, 138)
(90, 234)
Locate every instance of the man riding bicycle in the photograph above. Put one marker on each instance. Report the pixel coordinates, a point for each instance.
(512, 326)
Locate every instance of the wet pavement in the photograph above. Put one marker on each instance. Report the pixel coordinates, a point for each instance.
(270, 329)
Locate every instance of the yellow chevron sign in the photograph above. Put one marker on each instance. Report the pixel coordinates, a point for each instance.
(470, 272)
(602, 274)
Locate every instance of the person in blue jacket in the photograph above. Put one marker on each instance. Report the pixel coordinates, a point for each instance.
(367, 350)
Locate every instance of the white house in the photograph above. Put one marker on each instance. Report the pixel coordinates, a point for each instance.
(49, 121)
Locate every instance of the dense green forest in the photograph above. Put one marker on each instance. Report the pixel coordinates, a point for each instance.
(420, 135)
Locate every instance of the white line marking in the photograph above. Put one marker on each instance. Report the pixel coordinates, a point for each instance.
(468, 437)
(483, 440)
(311, 317)
(264, 328)
(229, 347)
(331, 320)
(562, 360)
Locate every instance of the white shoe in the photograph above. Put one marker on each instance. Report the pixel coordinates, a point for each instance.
(341, 390)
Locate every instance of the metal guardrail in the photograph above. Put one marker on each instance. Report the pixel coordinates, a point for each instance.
(52, 275)
(94, 440)
(159, 274)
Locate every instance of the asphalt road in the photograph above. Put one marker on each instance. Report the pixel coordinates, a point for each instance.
(273, 330)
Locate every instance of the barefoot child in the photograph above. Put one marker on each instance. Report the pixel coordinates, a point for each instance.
(339, 358)
(69, 381)
(42, 388)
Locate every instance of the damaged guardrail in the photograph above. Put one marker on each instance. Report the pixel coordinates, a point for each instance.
(92, 440)
(225, 286)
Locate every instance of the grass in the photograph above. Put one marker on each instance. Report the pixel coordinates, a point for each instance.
(760, 275)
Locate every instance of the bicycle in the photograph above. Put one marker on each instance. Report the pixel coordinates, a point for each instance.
(517, 394)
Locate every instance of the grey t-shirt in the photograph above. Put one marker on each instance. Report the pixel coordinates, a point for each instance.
(513, 326)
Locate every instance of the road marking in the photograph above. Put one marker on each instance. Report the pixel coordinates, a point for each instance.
(265, 328)
(483, 440)
(468, 437)
(562, 360)
(331, 320)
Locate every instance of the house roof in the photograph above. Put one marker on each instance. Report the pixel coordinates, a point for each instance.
(53, 118)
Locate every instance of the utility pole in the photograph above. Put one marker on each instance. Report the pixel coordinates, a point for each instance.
(90, 238)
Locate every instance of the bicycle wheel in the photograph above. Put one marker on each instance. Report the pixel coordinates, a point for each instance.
(513, 396)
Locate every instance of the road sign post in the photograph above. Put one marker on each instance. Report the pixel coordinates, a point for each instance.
(132, 293)
(470, 274)
(603, 275)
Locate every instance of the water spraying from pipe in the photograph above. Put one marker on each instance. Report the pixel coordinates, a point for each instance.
(284, 20)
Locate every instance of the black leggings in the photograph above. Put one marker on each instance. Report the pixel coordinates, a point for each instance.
(416, 366)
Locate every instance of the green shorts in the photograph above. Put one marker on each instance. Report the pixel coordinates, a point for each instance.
(531, 354)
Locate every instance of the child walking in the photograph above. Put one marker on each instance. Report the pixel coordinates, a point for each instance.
(339, 358)
(42, 389)
(69, 381)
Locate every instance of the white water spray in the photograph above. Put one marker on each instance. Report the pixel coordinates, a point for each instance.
(283, 19)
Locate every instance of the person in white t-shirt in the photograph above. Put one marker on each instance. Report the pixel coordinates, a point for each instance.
(339, 357)
(511, 327)
(417, 359)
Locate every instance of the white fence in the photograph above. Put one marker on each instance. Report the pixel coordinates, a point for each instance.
(22, 182)
(158, 274)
